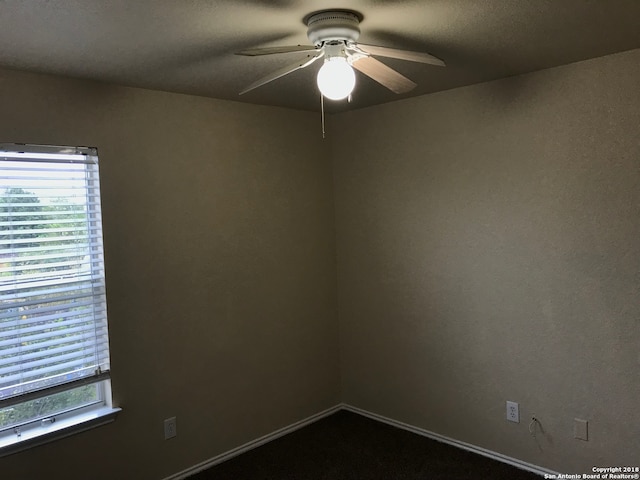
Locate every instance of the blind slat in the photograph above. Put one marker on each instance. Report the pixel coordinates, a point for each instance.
(49, 256)
(37, 322)
(62, 353)
(70, 229)
(45, 213)
(20, 290)
(29, 300)
(53, 350)
(37, 222)
(17, 298)
(85, 309)
(38, 378)
(44, 240)
(71, 327)
(74, 264)
(59, 362)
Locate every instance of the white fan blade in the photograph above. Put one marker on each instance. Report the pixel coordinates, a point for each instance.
(282, 72)
(252, 52)
(420, 57)
(384, 75)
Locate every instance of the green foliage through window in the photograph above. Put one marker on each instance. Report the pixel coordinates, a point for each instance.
(45, 406)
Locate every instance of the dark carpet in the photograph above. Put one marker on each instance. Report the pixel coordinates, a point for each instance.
(347, 446)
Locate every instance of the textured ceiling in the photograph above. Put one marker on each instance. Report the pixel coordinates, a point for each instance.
(188, 46)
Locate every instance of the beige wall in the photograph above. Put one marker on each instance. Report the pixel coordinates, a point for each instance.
(220, 258)
(489, 250)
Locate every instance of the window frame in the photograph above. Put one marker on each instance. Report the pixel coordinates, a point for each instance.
(61, 423)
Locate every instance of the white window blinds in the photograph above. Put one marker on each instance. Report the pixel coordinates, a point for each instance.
(53, 320)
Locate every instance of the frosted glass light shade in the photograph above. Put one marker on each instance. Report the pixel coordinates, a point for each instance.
(336, 78)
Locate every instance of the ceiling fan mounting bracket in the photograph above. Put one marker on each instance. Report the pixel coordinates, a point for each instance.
(331, 25)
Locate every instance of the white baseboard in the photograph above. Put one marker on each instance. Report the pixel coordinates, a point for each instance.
(374, 416)
(254, 444)
(450, 441)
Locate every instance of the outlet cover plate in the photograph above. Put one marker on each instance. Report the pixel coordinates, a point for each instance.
(170, 429)
(581, 429)
(513, 412)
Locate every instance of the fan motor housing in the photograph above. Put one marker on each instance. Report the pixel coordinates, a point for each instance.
(333, 25)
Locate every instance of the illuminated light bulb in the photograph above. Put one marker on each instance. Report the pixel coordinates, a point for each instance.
(336, 78)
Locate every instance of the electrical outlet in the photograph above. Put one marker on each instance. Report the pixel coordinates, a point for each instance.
(513, 412)
(580, 429)
(170, 429)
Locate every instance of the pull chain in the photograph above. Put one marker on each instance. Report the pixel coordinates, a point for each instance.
(322, 113)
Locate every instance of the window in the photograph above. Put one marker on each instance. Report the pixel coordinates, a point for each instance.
(54, 349)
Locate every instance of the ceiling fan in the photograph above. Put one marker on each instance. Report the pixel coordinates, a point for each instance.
(334, 35)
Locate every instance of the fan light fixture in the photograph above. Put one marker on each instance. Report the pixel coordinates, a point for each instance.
(334, 37)
(336, 78)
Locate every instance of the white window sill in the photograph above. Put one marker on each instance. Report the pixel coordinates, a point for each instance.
(12, 443)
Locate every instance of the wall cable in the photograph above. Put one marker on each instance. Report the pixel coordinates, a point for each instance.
(532, 426)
